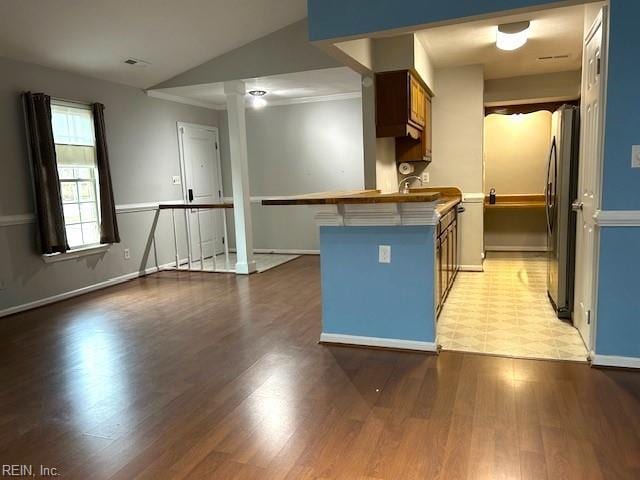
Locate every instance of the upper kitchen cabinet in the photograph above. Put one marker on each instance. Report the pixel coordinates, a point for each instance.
(403, 111)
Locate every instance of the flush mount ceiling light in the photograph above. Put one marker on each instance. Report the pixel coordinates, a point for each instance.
(258, 101)
(511, 36)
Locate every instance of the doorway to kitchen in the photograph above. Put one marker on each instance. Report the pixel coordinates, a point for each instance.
(542, 155)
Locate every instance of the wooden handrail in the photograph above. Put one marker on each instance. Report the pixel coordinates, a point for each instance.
(189, 206)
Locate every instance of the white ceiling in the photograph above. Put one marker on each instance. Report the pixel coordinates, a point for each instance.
(281, 89)
(553, 32)
(94, 37)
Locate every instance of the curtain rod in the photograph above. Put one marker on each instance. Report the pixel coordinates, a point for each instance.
(78, 102)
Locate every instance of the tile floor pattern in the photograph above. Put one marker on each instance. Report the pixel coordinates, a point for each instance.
(505, 311)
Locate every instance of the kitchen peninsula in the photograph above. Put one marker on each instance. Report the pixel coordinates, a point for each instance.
(380, 264)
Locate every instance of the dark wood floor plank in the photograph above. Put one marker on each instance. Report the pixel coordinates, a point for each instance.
(188, 375)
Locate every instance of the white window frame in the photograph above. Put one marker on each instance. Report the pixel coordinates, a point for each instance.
(86, 248)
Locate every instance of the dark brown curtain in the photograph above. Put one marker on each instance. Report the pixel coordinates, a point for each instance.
(50, 218)
(109, 224)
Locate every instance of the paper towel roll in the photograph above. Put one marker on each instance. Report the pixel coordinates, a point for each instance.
(405, 168)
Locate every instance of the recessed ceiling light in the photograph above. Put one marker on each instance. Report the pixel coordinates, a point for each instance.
(258, 101)
(511, 36)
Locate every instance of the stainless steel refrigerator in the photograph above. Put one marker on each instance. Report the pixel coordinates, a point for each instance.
(560, 191)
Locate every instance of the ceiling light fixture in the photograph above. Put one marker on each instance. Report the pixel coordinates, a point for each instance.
(511, 36)
(258, 101)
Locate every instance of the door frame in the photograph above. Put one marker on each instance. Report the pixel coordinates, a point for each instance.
(603, 18)
(183, 178)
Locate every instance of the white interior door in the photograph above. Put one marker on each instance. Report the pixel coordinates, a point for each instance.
(593, 67)
(202, 184)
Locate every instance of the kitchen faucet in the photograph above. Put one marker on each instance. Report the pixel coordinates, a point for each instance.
(405, 187)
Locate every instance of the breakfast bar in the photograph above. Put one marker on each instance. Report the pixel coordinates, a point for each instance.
(378, 265)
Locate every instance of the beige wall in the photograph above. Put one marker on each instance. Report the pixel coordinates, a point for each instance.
(458, 122)
(515, 230)
(143, 149)
(546, 87)
(516, 149)
(515, 152)
(296, 149)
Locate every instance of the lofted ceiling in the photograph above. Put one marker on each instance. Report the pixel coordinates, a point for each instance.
(95, 37)
(554, 32)
(281, 89)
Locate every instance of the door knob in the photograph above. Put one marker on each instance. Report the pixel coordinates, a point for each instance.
(577, 206)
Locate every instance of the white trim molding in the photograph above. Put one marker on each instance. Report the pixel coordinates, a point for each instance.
(143, 207)
(515, 248)
(614, 361)
(471, 268)
(475, 197)
(319, 98)
(80, 291)
(185, 100)
(284, 251)
(77, 253)
(378, 342)
(272, 103)
(20, 219)
(377, 214)
(617, 218)
(27, 218)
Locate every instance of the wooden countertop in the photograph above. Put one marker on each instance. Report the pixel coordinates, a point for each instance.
(449, 197)
(353, 197)
(516, 201)
(446, 204)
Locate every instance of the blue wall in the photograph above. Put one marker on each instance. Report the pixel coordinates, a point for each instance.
(621, 189)
(340, 18)
(618, 319)
(365, 298)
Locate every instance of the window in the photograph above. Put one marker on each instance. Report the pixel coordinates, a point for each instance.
(74, 138)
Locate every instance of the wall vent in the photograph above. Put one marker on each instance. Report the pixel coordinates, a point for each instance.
(136, 62)
(554, 57)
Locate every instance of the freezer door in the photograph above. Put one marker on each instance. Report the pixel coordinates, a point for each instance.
(552, 231)
(561, 224)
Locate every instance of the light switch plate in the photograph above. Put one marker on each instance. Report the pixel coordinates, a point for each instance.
(384, 253)
(176, 180)
(635, 156)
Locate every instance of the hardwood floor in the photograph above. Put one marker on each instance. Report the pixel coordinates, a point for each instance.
(190, 375)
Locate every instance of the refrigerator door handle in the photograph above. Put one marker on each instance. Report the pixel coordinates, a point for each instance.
(548, 189)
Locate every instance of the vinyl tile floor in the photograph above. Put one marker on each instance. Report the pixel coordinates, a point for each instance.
(505, 311)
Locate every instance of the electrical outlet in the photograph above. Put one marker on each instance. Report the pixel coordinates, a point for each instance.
(176, 180)
(425, 177)
(127, 254)
(635, 156)
(384, 253)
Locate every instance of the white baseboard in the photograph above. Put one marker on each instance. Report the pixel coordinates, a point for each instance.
(283, 251)
(515, 248)
(80, 291)
(614, 361)
(378, 342)
(471, 268)
(286, 251)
